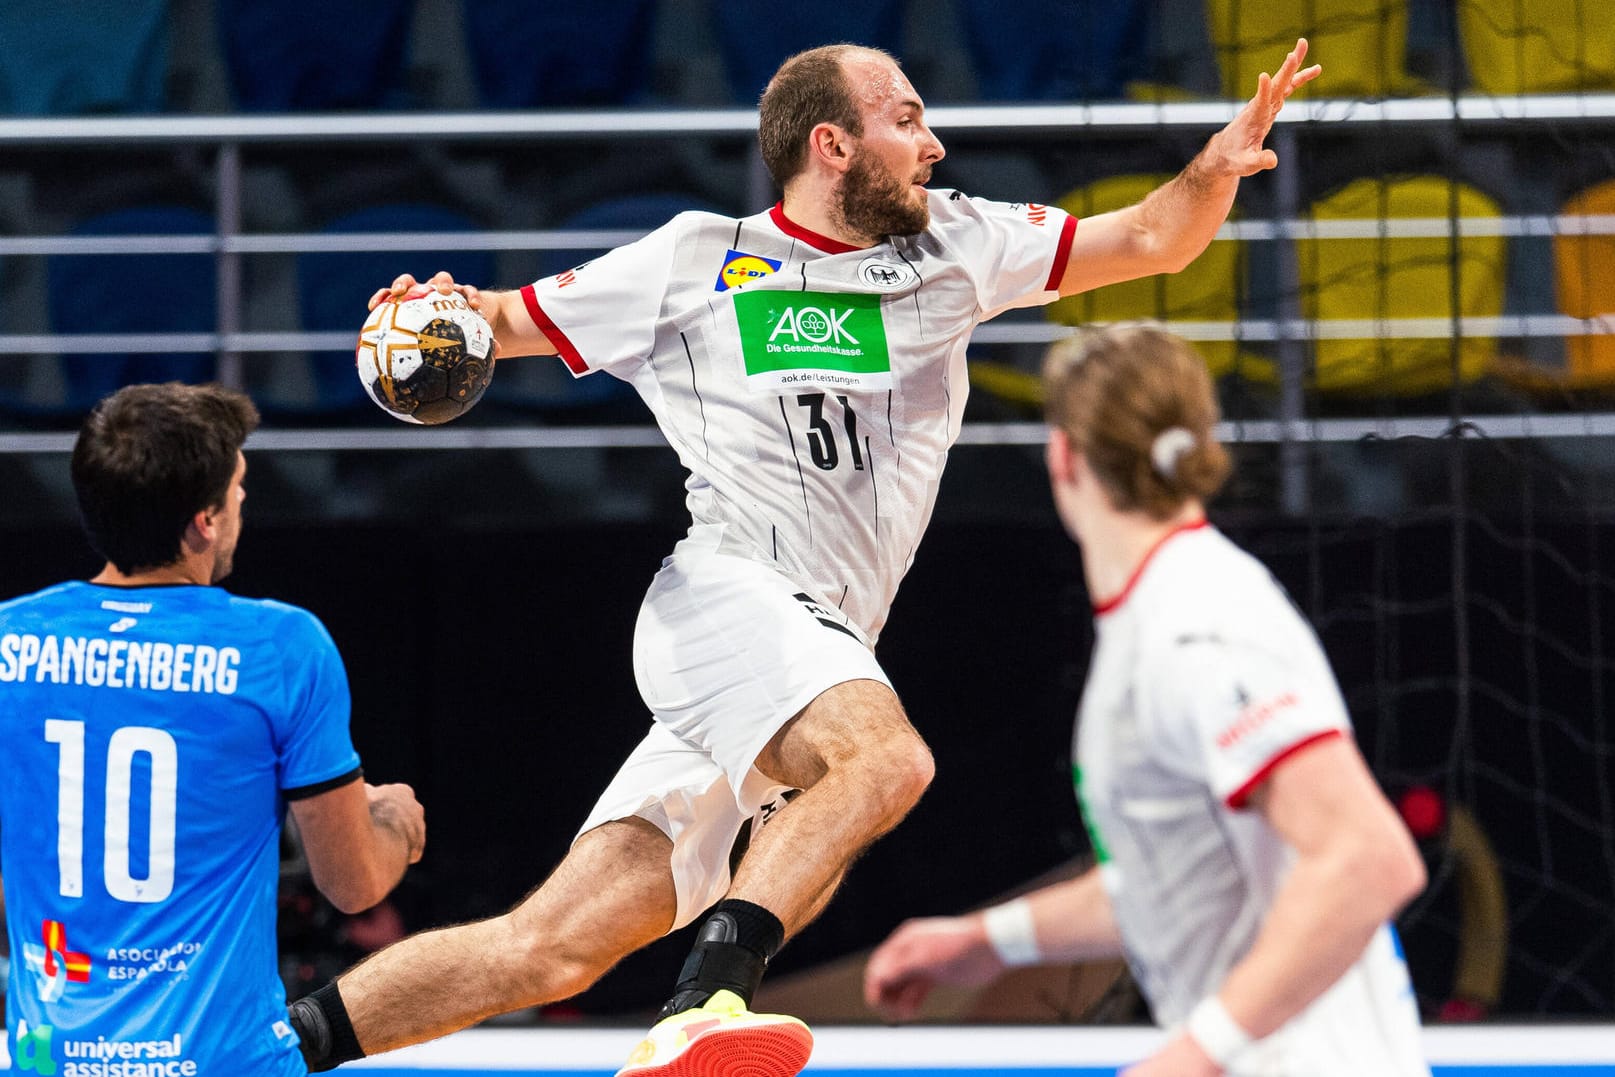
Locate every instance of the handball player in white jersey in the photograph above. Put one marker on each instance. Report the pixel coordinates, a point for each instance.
(1248, 866)
(808, 365)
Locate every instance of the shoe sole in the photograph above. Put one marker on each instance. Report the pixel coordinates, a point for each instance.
(780, 1050)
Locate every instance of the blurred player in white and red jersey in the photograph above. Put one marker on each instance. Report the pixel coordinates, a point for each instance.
(1247, 864)
(808, 365)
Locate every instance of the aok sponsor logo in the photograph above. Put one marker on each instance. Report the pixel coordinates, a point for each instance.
(797, 338)
(39, 1051)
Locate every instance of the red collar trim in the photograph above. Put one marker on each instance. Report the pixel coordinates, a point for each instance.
(1110, 605)
(813, 239)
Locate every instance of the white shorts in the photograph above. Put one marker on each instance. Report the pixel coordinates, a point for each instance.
(726, 651)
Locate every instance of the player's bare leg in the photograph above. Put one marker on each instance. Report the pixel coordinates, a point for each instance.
(861, 767)
(611, 895)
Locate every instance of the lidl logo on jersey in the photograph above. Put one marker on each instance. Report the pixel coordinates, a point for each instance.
(742, 268)
(792, 339)
(53, 965)
(39, 1052)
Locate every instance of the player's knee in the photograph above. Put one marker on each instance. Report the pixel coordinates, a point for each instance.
(903, 771)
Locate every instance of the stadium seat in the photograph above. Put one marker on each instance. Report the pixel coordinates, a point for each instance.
(1584, 273)
(1056, 50)
(1379, 277)
(1207, 291)
(83, 56)
(558, 55)
(754, 38)
(283, 55)
(132, 293)
(1363, 47)
(1546, 46)
(333, 287)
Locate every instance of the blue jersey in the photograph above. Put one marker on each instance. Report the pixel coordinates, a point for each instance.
(150, 739)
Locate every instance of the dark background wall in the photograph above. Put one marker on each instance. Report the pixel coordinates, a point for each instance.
(490, 669)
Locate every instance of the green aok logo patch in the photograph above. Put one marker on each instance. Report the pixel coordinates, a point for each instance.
(791, 339)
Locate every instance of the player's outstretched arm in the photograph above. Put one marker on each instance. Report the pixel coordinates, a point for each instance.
(1176, 221)
(514, 332)
(1070, 920)
(1356, 867)
(359, 838)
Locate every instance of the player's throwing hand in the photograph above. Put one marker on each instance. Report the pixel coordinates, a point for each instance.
(1239, 145)
(405, 286)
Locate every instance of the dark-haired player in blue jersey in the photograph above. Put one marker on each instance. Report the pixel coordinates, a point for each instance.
(154, 729)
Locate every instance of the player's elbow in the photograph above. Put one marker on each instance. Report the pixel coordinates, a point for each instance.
(1387, 872)
(1406, 874)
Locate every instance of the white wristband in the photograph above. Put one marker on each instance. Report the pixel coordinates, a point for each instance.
(1216, 1031)
(1013, 933)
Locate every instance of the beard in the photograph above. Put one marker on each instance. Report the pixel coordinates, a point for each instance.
(876, 203)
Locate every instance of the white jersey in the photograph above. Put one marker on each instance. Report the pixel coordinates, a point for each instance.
(811, 389)
(1204, 678)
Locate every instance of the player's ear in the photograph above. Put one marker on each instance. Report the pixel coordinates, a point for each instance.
(830, 143)
(203, 528)
(1061, 457)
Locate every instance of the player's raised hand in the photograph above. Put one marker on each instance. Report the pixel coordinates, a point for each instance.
(921, 954)
(404, 286)
(1239, 145)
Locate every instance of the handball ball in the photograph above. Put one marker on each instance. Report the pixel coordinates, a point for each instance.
(426, 359)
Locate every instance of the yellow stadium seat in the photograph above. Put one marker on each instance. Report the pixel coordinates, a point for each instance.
(1207, 291)
(1545, 46)
(1361, 45)
(1584, 272)
(1381, 277)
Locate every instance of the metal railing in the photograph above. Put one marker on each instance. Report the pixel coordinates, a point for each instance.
(1288, 330)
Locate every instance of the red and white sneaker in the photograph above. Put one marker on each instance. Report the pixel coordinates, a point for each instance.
(722, 1039)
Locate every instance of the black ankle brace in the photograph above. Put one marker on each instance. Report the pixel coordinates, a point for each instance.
(322, 1024)
(731, 951)
(753, 926)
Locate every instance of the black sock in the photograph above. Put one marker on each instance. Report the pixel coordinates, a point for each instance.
(322, 1024)
(755, 927)
(732, 949)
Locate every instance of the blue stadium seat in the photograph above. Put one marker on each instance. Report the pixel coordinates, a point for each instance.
(1056, 50)
(83, 56)
(132, 293)
(565, 53)
(333, 288)
(312, 55)
(753, 38)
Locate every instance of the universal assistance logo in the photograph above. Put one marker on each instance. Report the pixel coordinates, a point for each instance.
(791, 339)
(742, 268)
(39, 1051)
(53, 966)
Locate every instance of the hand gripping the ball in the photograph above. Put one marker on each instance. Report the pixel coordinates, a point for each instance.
(425, 354)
